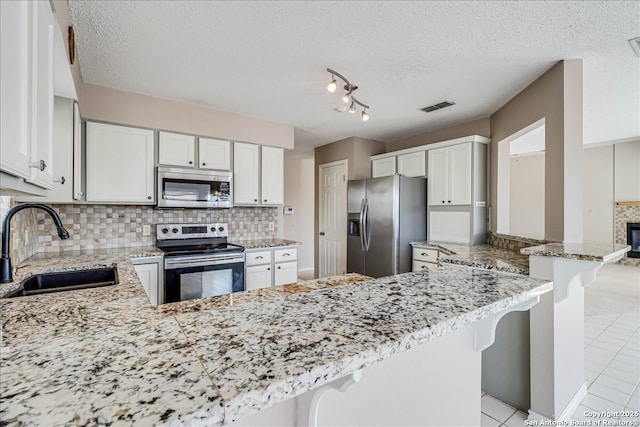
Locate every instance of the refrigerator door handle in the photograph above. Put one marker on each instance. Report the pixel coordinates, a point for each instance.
(367, 226)
(362, 205)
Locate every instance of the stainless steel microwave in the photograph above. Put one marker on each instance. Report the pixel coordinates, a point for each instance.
(194, 188)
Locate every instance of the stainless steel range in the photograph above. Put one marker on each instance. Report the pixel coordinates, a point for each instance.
(199, 262)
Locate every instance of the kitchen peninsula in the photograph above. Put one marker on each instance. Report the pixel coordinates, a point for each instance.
(98, 356)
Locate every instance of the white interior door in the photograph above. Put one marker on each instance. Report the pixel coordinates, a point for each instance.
(332, 221)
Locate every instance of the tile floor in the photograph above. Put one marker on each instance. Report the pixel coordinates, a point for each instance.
(612, 352)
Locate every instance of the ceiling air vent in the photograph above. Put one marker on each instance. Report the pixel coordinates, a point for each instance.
(438, 106)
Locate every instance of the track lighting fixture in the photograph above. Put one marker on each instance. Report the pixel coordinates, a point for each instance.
(348, 97)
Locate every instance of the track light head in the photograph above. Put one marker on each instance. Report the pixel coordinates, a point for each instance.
(332, 86)
(346, 97)
(352, 107)
(365, 116)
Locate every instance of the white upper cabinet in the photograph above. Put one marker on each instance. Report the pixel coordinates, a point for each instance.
(272, 185)
(246, 173)
(450, 175)
(26, 90)
(176, 149)
(15, 86)
(120, 164)
(214, 154)
(383, 167)
(412, 164)
(41, 150)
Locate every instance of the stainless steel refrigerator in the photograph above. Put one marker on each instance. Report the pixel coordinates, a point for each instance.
(384, 215)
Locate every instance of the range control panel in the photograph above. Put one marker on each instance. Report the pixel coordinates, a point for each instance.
(187, 231)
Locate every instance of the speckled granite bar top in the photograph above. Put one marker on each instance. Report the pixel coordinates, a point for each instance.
(480, 256)
(265, 243)
(100, 356)
(582, 251)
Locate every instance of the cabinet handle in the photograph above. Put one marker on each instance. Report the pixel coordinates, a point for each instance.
(41, 165)
(268, 268)
(278, 267)
(149, 197)
(265, 200)
(62, 180)
(255, 200)
(190, 162)
(286, 254)
(204, 164)
(443, 201)
(449, 201)
(422, 266)
(423, 254)
(259, 257)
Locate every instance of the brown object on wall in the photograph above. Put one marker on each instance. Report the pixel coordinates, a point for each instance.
(72, 46)
(628, 203)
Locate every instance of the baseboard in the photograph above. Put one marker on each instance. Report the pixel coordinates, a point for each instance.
(568, 411)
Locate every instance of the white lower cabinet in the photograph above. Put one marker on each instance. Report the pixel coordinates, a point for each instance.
(424, 258)
(150, 272)
(266, 267)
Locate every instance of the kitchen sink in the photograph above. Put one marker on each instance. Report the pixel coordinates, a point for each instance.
(67, 281)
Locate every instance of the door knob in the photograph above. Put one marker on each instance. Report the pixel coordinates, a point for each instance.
(322, 233)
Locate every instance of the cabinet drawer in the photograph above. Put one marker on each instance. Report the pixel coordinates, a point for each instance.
(285, 255)
(421, 265)
(257, 258)
(426, 255)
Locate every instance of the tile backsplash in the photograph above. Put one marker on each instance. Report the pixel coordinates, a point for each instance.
(112, 226)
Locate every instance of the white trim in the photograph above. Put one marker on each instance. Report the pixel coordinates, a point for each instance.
(566, 414)
(612, 142)
(426, 147)
(335, 163)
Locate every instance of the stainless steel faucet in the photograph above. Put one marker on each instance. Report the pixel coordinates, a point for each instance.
(6, 272)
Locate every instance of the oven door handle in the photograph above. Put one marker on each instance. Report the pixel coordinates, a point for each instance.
(171, 264)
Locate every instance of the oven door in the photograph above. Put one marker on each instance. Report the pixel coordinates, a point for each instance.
(201, 276)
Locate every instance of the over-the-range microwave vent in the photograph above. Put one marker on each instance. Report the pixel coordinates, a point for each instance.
(438, 106)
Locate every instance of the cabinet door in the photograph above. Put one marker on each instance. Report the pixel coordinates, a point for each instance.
(412, 164)
(437, 181)
(383, 167)
(459, 175)
(245, 173)
(41, 150)
(120, 164)
(258, 276)
(148, 275)
(286, 272)
(272, 174)
(214, 154)
(176, 149)
(15, 86)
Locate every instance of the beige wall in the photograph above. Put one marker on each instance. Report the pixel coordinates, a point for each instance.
(476, 127)
(598, 194)
(100, 103)
(541, 99)
(299, 194)
(627, 172)
(357, 152)
(526, 198)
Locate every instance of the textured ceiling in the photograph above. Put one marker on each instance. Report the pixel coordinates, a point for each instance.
(268, 59)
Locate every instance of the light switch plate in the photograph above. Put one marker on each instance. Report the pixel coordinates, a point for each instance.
(288, 210)
(146, 230)
(481, 204)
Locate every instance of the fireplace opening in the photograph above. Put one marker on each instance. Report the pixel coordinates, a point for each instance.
(633, 239)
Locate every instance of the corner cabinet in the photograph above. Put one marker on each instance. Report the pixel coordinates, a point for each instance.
(258, 175)
(120, 164)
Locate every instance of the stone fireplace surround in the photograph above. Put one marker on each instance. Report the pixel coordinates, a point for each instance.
(623, 214)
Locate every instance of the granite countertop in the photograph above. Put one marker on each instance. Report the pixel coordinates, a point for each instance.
(481, 256)
(266, 243)
(581, 251)
(105, 355)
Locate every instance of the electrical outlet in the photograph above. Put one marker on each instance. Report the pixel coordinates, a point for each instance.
(146, 230)
(272, 226)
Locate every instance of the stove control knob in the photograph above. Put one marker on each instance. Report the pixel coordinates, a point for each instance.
(220, 229)
(175, 230)
(213, 229)
(165, 230)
